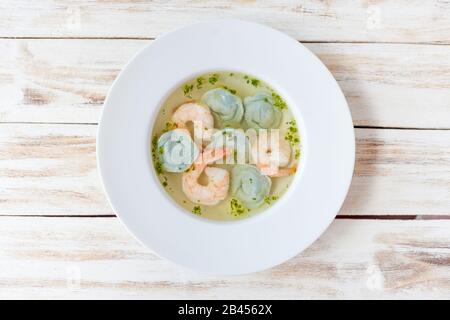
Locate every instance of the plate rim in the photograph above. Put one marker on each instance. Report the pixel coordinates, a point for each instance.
(101, 126)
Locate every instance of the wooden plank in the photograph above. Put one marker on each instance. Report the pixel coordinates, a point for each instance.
(392, 85)
(307, 20)
(66, 81)
(50, 169)
(58, 81)
(400, 172)
(92, 258)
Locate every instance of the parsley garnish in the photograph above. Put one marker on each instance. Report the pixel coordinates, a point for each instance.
(197, 210)
(200, 81)
(187, 90)
(213, 78)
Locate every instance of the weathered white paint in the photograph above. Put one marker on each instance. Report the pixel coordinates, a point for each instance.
(50, 169)
(330, 20)
(96, 258)
(66, 81)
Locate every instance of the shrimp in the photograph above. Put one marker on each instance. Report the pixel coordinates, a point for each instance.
(218, 179)
(201, 118)
(272, 156)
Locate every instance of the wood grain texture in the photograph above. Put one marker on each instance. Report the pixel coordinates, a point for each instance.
(400, 172)
(307, 20)
(66, 81)
(97, 258)
(392, 85)
(50, 169)
(58, 81)
(392, 61)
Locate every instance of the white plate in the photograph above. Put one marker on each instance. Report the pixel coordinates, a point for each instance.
(259, 242)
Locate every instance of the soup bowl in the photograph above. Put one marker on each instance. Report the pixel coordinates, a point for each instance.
(262, 240)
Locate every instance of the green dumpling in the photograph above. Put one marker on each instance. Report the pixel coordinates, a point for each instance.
(249, 185)
(226, 107)
(176, 150)
(260, 113)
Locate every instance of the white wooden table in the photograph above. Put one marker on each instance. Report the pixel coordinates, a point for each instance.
(60, 239)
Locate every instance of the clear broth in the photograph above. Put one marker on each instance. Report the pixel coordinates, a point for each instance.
(242, 85)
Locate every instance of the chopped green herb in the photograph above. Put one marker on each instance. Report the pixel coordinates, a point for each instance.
(292, 133)
(270, 199)
(213, 78)
(170, 126)
(158, 167)
(232, 91)
(157, 163)
(197, 210)
(200, 81)
(255, 82)
(278, 102)
(237, 208)
(164, 181)
(187, 90)
(297, 154)
(154, 146)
